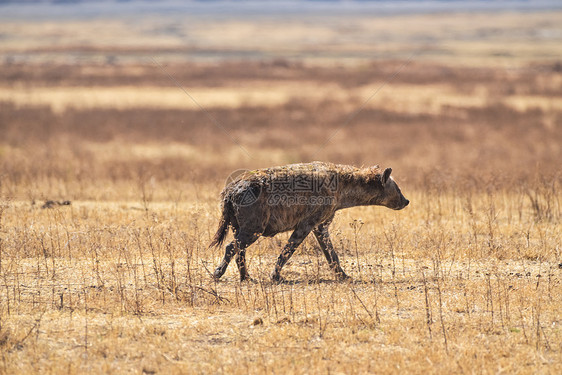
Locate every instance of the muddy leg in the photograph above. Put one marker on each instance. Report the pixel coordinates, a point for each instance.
(294, 241)
(238, 246)
(229, 252)
(323, 236)
(241, 263)
(245, 241)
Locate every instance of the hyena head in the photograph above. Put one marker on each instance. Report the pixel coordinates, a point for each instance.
(391, 196)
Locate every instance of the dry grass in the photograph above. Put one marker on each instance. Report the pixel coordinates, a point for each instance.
(403, 98)
(466, 279)
(458, 282)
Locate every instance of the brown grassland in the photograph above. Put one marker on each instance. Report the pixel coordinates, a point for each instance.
(466, 279)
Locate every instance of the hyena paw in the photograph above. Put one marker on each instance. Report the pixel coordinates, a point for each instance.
(218, 273)
(342, 276)
(276, 278)
(247, 278)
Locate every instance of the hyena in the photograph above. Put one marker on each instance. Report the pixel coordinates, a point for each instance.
(298, 197)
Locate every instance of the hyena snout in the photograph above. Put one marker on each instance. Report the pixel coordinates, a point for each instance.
(405, 202)
(399, 203)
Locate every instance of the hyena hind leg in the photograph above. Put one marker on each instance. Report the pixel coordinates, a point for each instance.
(236, 247)
(241, 263)
(229, 252)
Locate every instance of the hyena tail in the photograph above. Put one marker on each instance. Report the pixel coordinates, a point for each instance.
(227, 212)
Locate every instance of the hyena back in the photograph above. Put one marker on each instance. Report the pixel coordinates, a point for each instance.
(298, 197)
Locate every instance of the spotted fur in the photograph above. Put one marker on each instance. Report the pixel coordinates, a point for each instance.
(302, 198)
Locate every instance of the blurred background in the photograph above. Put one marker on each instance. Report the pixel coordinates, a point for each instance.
(99, 98)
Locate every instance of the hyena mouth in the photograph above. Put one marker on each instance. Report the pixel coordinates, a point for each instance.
(402, 205)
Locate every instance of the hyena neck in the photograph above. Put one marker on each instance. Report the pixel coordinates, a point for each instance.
(356, 192)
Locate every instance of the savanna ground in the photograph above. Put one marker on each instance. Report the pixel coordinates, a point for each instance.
(467, 279)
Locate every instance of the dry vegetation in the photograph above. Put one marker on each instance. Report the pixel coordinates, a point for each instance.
(467, 279)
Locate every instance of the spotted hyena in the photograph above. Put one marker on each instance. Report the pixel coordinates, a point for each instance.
(302, 198)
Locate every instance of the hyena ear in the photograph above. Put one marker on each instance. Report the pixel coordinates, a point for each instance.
(386, 175)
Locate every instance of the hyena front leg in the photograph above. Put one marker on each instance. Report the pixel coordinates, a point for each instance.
(237, 246)
(323, 236)
(294, 241)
